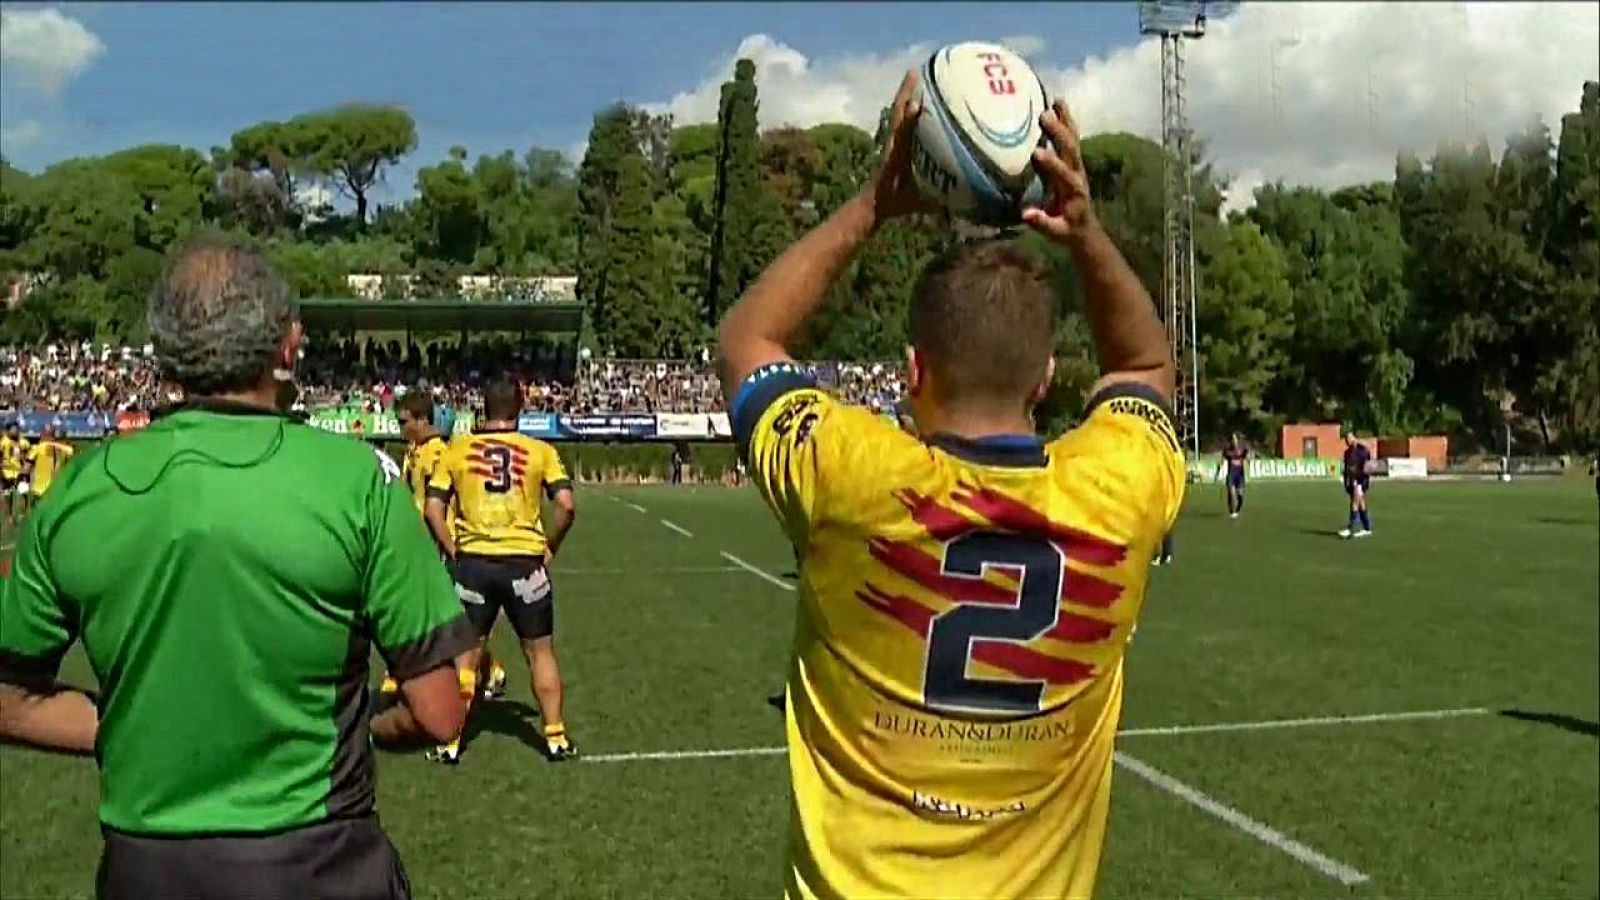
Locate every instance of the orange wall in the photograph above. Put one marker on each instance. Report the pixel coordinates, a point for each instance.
(1292, 439)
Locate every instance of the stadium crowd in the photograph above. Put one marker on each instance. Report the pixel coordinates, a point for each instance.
(370, 376)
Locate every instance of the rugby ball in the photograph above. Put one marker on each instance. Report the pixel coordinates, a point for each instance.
(979, 126)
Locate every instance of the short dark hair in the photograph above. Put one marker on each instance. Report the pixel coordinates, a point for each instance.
(983, 319)
(501, 400)
(416, 403)
(217, 315)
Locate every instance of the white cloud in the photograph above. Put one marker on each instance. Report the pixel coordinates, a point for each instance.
(45, 48)
(1355, 83)
(14, 138)
(795, 91)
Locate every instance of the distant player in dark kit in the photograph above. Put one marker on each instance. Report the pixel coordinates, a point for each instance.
(1235, 455)
(1356, 484)
(677, 464)
(228, 572)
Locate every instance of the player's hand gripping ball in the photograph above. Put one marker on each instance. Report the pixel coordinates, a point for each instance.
(979, 125)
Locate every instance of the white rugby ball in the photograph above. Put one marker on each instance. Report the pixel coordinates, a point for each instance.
(979, 126)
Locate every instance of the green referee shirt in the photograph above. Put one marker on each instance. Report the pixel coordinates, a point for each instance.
(228, 571)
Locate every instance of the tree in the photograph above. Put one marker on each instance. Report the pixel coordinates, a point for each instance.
(353, 145)
(446, 212)
(611, 139)
(1244, 318)
(175, 185)
(625, 322)
(736, 209)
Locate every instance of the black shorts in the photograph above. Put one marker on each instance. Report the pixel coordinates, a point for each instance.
(1364, 483)
(517, 584)
(343, 859)
(8, 484)
(1236, 478)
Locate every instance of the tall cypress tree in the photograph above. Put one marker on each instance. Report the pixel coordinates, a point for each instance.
(611, 139)
(737, 201)
(626, 324)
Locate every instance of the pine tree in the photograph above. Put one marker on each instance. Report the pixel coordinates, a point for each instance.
(737, 212)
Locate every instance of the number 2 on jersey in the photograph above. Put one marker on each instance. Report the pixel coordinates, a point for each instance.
(499, 480)
(951, 638)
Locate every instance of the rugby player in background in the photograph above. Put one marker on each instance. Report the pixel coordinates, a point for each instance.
(13, 456)
(1234, 456)
(425, 447)
(967, 592)
(493, 479)
(227, 571)
(1357, 481)
(45, 462)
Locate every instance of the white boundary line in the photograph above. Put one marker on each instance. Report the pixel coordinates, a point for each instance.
(1130, 732)
(684, 754)
(634, 506)
(678, 528)
(1269, 724)
(1266, 834)
(772, 579)
(681, 570)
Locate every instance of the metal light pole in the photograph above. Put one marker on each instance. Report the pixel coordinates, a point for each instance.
(1173, 23)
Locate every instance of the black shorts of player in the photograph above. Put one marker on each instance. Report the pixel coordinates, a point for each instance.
(1236, 478)
(517, 584)
(341, 859)
(1364, 482)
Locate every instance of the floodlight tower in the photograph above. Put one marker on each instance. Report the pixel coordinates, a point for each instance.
(1174, 23)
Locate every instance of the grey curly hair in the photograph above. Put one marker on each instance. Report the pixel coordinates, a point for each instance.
(217, 315)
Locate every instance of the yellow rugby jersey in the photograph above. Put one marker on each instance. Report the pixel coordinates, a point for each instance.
(493, 479)
(12, 455)
(965, 608)
(47, 457)
(418, 466)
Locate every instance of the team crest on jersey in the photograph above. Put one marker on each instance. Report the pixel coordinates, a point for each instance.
(391, 469)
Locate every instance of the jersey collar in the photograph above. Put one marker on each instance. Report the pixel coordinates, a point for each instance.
(219, 406)
(1018, 451)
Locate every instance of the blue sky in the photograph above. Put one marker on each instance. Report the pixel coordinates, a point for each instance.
(490, 76)
(1318, 93)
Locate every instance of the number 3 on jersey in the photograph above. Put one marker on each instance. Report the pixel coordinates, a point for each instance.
(498, 480)
(946, 684)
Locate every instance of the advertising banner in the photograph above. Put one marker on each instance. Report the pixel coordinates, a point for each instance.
(685, 425)
(1407, 467)
(539, 425)
(720, 426)
(71, 425)
(132, 421)
(633, 426)
(1209, 469)
(355, 422)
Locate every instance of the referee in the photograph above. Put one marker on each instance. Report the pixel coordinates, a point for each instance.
(228, 571)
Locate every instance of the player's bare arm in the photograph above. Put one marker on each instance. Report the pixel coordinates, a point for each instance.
(431, 711)
(760, 327)
(1128, 335)
(565, 502)
(54, 718)
(435, 513)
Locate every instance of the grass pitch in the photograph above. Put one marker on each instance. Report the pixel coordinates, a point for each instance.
(1476, 602)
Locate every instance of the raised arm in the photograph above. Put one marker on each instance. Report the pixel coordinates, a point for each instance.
(762, 325)
(1128, 336)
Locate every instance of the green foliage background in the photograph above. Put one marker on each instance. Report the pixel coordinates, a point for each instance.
(1461, 296)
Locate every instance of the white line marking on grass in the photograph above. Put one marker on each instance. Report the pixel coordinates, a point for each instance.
(1266, 834)
(766, 576)
(678, 528)
(1303, 723)
(684, 754)
(665, 570)
(634, 506)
